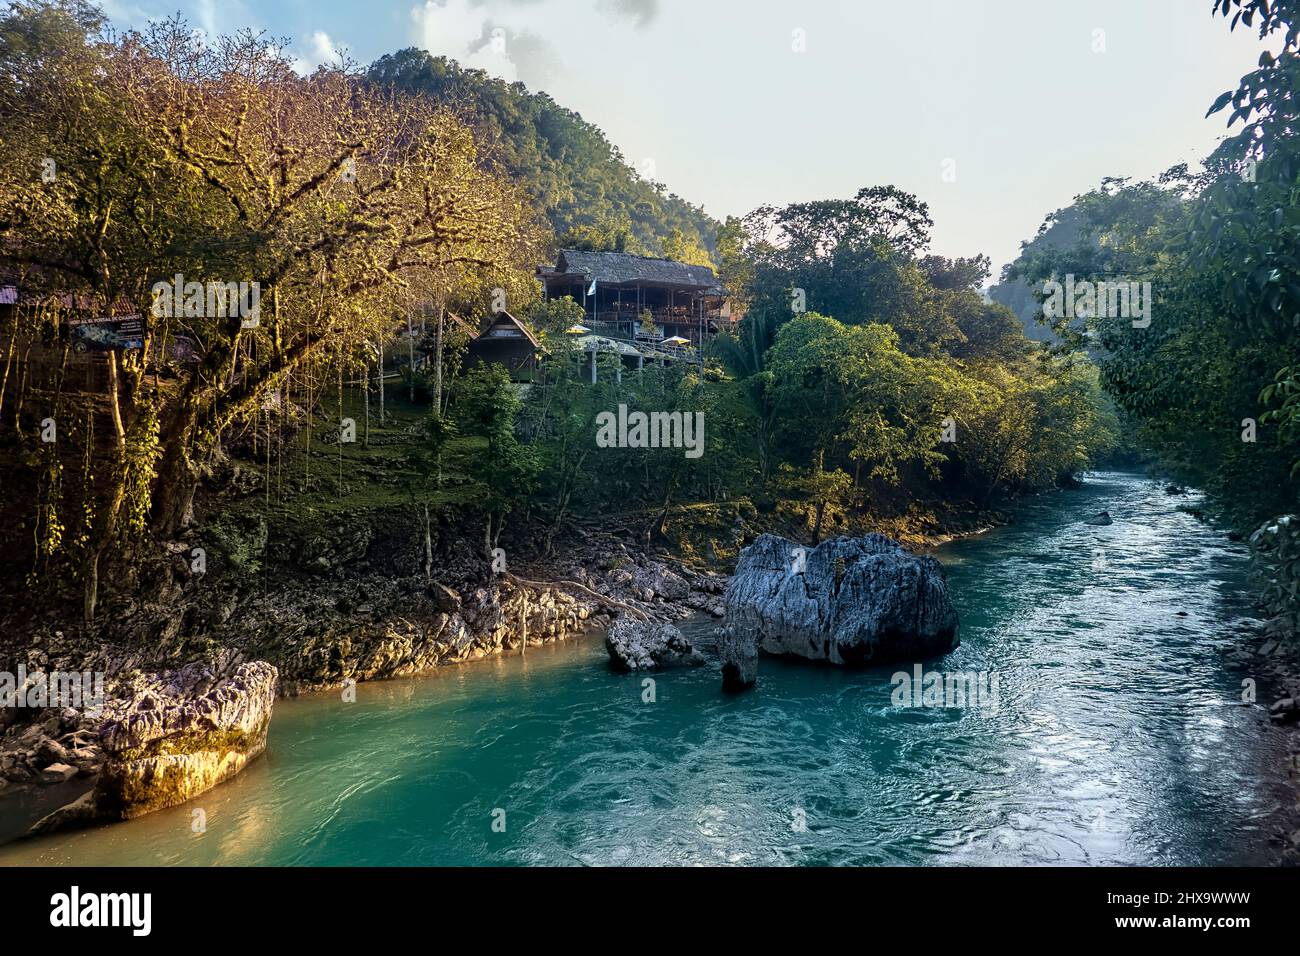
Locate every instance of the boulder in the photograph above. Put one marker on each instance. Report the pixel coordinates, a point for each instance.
(852, 601)
(1100, 518)
(1285, 710)
(169, 744)
(738, 649)
(445, 599)
(58, 773)
(51, 751)
(636, 645)
(658, 580)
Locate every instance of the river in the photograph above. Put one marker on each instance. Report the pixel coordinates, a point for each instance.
(1119, 738)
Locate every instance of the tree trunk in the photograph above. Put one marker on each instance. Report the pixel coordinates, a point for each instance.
(410, 354)
(108, 530)
(9, 356)
(523, 627)
(173, 498)
(661, 522)
(428, 548)
(437, 365)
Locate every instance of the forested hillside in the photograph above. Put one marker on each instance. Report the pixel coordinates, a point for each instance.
(868, 386)
(1212, 377)
(592, 195)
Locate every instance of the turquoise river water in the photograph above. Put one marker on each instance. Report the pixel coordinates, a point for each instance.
(1119, 738)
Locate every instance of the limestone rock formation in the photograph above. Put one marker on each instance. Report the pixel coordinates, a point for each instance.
(636, 645)
(738, 649)
(178, 737)
(851, 601)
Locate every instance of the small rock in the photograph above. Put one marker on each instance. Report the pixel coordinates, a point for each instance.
(51, 751)
(58, 773)
(1100, 518)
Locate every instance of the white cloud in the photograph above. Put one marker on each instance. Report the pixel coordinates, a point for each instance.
(449, 26)
(513, 39)
(206, 12)
(321, 49)
(502, 38)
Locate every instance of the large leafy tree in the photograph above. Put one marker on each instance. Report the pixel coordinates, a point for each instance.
(214, 160)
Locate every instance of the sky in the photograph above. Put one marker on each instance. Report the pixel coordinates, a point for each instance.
(995, 112)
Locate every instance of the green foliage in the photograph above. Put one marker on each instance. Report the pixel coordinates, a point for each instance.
(683, 248)
(435, 435)
(143, 449)
(1275, 549)
(1217, 353)
(591, 196)
(850, 394)
(487, 407)
(552, 318)
(239, 542)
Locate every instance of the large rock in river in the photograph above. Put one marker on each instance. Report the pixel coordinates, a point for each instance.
(851, 601)
(179, 737)
(636, 645)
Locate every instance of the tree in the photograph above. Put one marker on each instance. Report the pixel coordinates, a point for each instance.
(214, 160)
(487, 408)
(683, 248)
(819, 488)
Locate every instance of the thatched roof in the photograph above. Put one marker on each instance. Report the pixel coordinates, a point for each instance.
(503, 325)
(620, 268)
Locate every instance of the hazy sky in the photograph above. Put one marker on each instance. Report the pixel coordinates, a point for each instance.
(1032, 101)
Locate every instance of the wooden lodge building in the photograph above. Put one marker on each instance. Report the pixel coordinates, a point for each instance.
(616, 289)
(506, 341)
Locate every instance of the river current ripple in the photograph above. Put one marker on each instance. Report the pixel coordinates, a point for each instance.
(1120, 737)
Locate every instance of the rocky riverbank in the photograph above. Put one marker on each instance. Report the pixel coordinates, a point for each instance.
(366, 598)
(1272, 658)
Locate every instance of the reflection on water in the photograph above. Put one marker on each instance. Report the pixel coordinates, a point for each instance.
(1119, 738)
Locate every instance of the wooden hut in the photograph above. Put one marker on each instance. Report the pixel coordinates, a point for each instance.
(508, 342)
